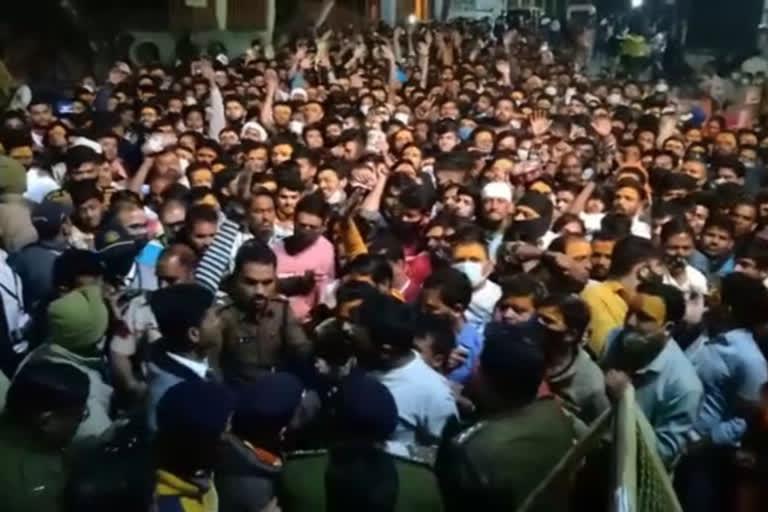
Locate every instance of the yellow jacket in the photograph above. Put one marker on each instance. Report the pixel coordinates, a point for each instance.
(607, 308)
(176, 495)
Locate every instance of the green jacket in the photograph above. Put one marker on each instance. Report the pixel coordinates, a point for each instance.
(498, 462)
(302, 486)
(31, 475)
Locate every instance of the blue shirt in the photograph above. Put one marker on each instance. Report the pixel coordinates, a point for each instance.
(732, 369)
(471, 339)
(669, 393)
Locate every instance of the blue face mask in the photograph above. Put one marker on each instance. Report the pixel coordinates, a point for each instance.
(465, 132)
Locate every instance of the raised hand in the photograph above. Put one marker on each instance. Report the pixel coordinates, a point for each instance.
(540, 123)
(602, 126)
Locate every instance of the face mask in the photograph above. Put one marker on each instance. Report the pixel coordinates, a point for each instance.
(465, 132)
(300, 240)
(473, 270)
(550, 91)
(614, 99)
(515, 124)
(523, 154)
(402, 117)
(296, 127)
(529, 230)
(337, 197)
(406, 231)
(364, 109)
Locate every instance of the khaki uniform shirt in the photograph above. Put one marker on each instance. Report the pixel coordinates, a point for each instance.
(251, 346)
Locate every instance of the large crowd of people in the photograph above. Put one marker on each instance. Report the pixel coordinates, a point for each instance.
(381, 269)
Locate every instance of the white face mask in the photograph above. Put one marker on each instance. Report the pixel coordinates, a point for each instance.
(515, 124)
(614, 99)
(296, 127)
(523, 154)
(473, 270)
(402, 117)
(364, 109)
(337, 197)
(183, 163)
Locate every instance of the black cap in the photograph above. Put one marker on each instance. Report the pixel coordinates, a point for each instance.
(48, 217)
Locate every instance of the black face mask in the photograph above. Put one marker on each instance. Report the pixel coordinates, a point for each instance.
(300, 240)
(406, 231)
(529, 231)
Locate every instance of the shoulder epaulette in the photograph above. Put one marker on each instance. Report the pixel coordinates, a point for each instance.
(465, 436)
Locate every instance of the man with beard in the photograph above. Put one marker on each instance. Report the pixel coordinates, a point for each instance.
(602, 250)
(497, 205)
(667, 389)
(261, 215)
(306, 255)
(260, 331)
(40, 117)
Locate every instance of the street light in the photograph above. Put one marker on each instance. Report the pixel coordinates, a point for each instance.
(636, 4)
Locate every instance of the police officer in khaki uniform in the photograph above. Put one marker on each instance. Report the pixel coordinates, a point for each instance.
(259, 331)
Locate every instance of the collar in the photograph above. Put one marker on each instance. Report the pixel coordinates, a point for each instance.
(657, 365)
(199, 367)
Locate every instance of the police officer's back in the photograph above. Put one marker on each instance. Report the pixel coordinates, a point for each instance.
(498, 461)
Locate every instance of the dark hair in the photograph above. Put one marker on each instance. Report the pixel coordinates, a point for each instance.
(82, 191)
(388, 247)
(575, 311)
(74, 263)
(633, 184)
(513, 362)
(676, 226)
(566, 219)
(522, 285)
(618, 224)
(720, 221)
(254, 251)
(438, 328)
(746, 297)
(454, 287)
(730, 163)
(388, 321)
(201, 213)
(313, 204)
(757, 251)
(416, 197)
(629, 252)
(287, 175)
(672, 296)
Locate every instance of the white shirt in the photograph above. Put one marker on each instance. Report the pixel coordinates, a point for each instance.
(592, 222)
(424, 401)
(484, 299)
(199, 367)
